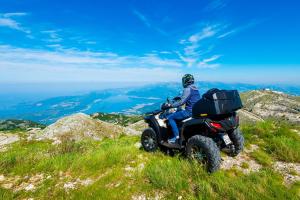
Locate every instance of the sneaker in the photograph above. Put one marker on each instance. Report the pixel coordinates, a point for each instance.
(173, 140)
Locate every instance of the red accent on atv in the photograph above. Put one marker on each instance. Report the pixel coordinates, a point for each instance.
(216, 125)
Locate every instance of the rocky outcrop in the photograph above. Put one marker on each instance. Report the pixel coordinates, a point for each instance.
(290, 171)
(6, 139)
(80, 126)
(248, 117)
(271, 104)
(138, 126)
(242, 162)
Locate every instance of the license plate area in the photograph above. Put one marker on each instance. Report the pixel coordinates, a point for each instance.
(226, 139)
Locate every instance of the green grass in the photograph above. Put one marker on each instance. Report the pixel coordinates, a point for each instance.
(180, 178)
(168, 173)
(276, 138)
(245, 165)
(262, 158)
(6, 194)
(120, 119)
(114, 165)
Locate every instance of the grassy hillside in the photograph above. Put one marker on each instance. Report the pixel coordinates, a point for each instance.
(14, 124)
(119, 169)
(120, 119)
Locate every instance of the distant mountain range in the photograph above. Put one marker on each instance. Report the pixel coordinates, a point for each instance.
(133, 100)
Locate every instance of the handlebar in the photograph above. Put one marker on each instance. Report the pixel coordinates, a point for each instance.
(155, 112)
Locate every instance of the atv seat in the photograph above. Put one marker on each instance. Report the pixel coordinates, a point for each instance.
(181, 122)
(185, 120)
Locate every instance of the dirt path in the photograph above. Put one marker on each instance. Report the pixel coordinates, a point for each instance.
(251, 115)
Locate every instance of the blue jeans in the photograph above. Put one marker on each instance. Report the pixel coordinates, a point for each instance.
(180, 115)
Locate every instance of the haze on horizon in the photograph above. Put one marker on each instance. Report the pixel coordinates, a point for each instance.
(149, 41)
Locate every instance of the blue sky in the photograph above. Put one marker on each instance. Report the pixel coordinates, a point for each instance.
(154, 40)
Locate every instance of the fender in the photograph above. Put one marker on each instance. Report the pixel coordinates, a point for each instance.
(189, 123)
(151, 120)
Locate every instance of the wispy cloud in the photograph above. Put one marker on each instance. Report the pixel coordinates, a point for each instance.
(197, 47)
(8, 20)
(215, 5)
(147, 22)
(90, 42)
(207, 63)
(15, 14)
(86, 59)
(240, 29)
(193, 49)
(206, 32)
(165, 52)
(53, 36)
(55, 46)
(142, 18)
(83, 41)
(75, 65)
(231, 32)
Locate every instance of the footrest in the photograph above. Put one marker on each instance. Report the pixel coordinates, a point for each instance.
(171, 145)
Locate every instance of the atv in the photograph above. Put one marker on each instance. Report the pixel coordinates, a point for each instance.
(214, 126)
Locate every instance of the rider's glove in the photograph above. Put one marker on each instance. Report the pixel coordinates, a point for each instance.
(166, 106)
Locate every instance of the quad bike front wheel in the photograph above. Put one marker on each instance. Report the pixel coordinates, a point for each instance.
(205, 151)
(149, 140)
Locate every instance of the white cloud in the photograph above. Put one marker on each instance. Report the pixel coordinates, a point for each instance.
(142, 18)
(197, 45)
(206, 32)
(90, 42)
(53, 36)
(215, 5)
(240, 29)
(206, 63)
(16, 14)
(213, 58)
(155, 60)
(187, 59)
(46, 73)
(55, 46)
(227, 33)
(9, 23)
(165, 52)
(193, 49)
(21, 64)
(146, 21)
(6, 20)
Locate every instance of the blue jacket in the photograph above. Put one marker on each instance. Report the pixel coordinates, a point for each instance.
(189, 97)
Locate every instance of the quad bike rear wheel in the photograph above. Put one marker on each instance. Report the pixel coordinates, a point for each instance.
(149, 140)
(238, 141)
(205, 151)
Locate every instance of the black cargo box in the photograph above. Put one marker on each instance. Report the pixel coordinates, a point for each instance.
(217, 102)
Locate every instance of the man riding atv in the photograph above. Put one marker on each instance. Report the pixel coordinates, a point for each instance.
(209, 125)
(189, 97)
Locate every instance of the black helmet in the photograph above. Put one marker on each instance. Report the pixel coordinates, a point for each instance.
(187, 80)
